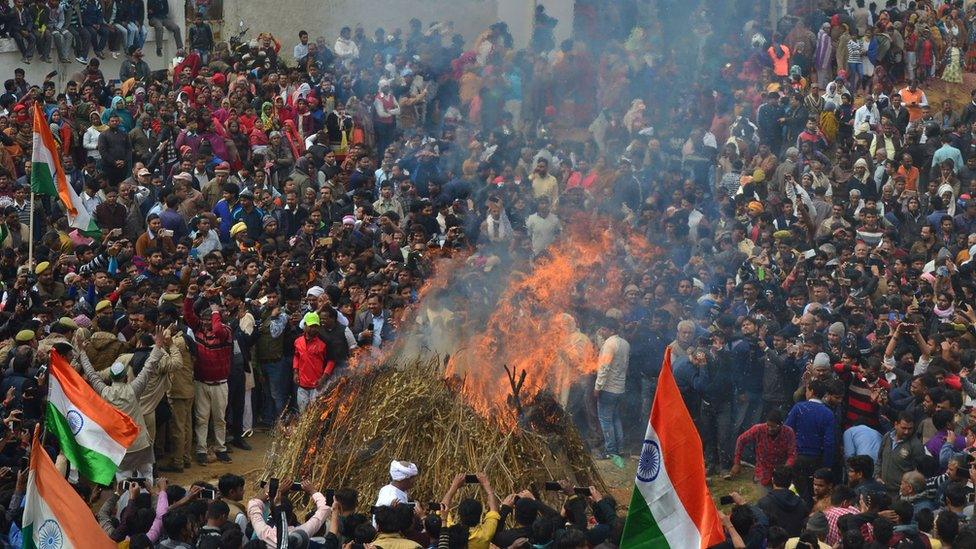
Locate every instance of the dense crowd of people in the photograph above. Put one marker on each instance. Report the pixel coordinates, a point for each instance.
(266, 220)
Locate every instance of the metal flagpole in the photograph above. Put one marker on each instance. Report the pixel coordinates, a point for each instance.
(30, 237)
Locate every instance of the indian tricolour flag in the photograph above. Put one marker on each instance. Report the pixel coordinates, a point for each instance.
(54, 514)
(48, 177)
(92, 433)
(671, 505)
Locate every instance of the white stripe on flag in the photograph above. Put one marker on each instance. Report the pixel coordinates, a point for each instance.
(666, 507)
(42, 153)
(91, 435)
(37, 513)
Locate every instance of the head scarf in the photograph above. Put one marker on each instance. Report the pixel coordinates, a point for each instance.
(950, 206)
(402, 470)
(267, 115)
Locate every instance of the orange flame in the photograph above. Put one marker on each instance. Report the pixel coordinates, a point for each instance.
(532, 328)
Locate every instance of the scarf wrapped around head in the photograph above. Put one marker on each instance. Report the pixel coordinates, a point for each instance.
(946, 313)
(402, 470)
(267, 115)
(950, 205)
(504, 227)
(290, 133)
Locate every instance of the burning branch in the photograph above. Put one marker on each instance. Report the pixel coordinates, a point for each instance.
(516, 387)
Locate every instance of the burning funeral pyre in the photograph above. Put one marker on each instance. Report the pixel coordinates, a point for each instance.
(513, 358)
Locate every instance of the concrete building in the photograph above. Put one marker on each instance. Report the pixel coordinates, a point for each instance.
(10, 56)
(318, 18)
(284, 18)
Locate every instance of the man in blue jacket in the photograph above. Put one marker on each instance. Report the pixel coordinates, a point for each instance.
(815, 427)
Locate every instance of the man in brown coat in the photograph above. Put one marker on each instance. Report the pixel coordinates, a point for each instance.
(180, 393)
(104, 346)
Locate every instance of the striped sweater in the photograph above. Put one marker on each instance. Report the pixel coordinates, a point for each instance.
(859, 407)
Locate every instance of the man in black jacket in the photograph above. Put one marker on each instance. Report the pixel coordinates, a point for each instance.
(770, 119)
(244, 334)
(525, 509)
(201, 38)
(159, 18)
(115, 150)
(21, 28)
(784, 508)
(334, 335)
(897, 113)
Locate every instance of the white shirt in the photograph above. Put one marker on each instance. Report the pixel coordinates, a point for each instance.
(346, 49)
(390, 493)
(202, 177)
(301, 50)
(694, 219)
(862, 114)
(90, 202)
(381, 109)
(90, 142)
(613, 362)
(542, 231)
(211, 242)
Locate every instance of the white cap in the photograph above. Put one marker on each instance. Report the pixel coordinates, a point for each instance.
(315, 291)
(117, 368)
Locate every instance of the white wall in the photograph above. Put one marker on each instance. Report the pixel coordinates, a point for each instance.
(519, 14)
(563, 11)
(10, 56)
(284, 18)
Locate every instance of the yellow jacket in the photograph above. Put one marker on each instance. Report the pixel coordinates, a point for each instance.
(480, 536)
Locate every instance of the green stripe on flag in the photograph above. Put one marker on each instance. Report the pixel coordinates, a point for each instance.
(28, 536)
(90, 464)
(641, 530)
(42, 179)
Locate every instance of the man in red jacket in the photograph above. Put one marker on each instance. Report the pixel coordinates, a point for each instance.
(311, 366)
(213, 355)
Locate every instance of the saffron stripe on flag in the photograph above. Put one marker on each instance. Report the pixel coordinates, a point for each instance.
(53, 180)
(80, 394)
(672, 506)
(54, 512)
(91, 434)
(682, 455)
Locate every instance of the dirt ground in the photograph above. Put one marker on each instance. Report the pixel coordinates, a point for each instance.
(248, 464)
(936, 90)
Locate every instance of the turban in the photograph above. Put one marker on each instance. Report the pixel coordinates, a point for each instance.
(402, 470)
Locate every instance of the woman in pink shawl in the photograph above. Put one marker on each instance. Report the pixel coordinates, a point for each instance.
(295, 141)
(823, 55)
(258, 139)
(223, 113)
(213, 133)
